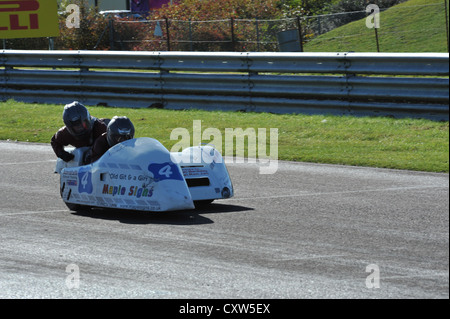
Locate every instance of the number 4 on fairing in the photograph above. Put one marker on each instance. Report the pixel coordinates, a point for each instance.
(165, 171)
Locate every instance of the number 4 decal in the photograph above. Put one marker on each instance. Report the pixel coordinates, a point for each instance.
(85, 181)
(165, 171)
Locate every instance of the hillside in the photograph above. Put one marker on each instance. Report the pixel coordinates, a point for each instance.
(413, 26)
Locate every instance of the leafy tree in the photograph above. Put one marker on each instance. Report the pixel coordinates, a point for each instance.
(212, 9)
(87, 36)
(307, 7)
(207, 25)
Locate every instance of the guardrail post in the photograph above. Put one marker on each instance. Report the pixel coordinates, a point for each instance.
(377, 40)
(111, 34)
(446, 23)
(233, 41)
(190, 36)
(51, 44)
(300, 33)
(257, 35)
(167, 34)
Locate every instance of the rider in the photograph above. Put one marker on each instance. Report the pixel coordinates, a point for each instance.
(81, 129)
(119, 129)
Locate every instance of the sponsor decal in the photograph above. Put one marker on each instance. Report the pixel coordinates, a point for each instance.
(72, 182)
(194, 171)
(132, 191)
(28, 19)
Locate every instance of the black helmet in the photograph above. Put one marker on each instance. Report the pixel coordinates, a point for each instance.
(77, 119)
(119, 129)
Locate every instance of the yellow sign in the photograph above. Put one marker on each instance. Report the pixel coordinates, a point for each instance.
(28, 19)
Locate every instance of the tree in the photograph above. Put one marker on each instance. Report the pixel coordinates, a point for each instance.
(207, 25)
(87, 36)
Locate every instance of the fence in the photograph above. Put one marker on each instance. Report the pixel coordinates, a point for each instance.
(399, 85)
(258, 35)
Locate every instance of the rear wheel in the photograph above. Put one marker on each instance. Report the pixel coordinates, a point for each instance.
(203, 203)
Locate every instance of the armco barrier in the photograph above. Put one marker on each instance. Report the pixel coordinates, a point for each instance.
(398, 85)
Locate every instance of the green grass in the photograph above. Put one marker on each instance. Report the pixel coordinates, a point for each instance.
(410, 144)
(413, 26)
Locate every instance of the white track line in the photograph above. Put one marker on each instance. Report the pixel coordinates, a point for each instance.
(32, 212)
(340, 193)
(20, 163)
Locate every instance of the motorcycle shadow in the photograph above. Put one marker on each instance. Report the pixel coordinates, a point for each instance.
(180, 218)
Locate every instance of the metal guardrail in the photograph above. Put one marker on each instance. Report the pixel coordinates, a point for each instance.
(398, 85)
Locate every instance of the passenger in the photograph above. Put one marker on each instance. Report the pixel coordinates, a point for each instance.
(119, 129)
(81, 129)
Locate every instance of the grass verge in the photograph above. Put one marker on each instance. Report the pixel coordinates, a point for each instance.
(413, 26)
(408, 144)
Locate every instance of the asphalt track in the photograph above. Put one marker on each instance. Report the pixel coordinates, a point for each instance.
(308, 231)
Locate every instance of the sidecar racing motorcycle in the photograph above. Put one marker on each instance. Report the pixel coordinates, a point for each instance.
(142, 175)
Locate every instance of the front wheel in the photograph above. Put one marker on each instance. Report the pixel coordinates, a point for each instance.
(76, 207)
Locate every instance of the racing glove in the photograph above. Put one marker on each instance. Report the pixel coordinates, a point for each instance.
(66, 156)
